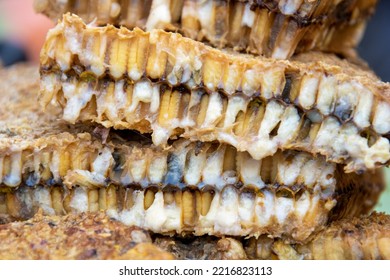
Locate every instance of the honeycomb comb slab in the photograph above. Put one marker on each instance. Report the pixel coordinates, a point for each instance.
(162, 83)
(275, 29)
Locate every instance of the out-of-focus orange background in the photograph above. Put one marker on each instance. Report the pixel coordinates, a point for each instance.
(21, 25)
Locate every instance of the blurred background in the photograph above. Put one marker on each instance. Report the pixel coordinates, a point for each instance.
(22, 33)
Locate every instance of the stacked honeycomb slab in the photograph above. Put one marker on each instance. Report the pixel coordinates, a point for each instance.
(189, 187)
(275, 28)
(196, 118)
